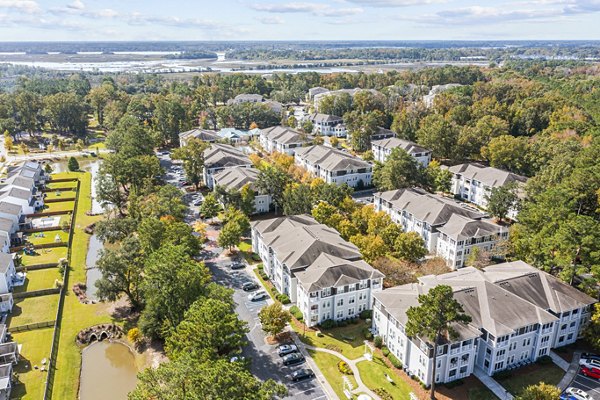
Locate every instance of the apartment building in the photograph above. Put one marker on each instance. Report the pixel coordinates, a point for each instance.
(283, 139)
(473, 182)
(222, 156)
(312, 264)
(335, 166)
(234, 179)
(383, 148)
(518, 314)
(328, 125)
(206, 135)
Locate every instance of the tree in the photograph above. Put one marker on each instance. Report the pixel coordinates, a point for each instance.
(166, 201)
(211, 329)
(371, 247)
(361, 127)
(192, 155)
(400, 170)
(187, 378)
(439, 135)
(297, 199)
(439, 179)
(66, 112)
(113, 230)
(507, 152)
(210, 206)
(230, 235)
(592, 331)
(247, 200)
(99, 97)
(274, 318)
(502, 199)
(73, 164)
(541, 391)
(122, 272)
(237, 216)
(8, 143)
(307, 126)
(109, 193)
(273, 181)
(478, 258)
(410, 246)
(433, 320)
(154, 233)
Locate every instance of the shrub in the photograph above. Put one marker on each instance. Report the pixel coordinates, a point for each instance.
(135, 336)
(344, 368)
(296, 313)
(544, 360)
(73, 165)
(366, 314)
(381, 392)
(394, 360)
(342, 323)
(283, 298)
(367, 334)
(503, 374)
(453, 384)
(260, 267)
(385, 351)
(378, 341)
(319, 334)
(328, 324)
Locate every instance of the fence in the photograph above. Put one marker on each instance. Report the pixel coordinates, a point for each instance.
(30, 327)
(39, 246)
(49, 213)
(61, 200)
(36, 266)
(61, 302)
(36, 293)
(63, 180)
(46, 229)
(64, 189)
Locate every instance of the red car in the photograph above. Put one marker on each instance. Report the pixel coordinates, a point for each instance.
(591, 372)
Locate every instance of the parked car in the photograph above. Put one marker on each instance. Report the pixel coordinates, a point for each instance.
(249, 286)
(237, 265)
(257, 296)
(197, 203)
(589, 362)
(285, 349)
(591, 372)
(574, 394)
(301, 374)
(293, 358)
(590, 356)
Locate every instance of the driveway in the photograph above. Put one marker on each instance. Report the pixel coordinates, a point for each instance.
(589, 385)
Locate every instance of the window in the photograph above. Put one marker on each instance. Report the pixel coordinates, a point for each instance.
(463, 370)
(351, 300)
(340, 302)
(572, 324)
(570, 336)
(561, 339)
(350, 312)
(499, 366)
(545, 339)
(452, 373)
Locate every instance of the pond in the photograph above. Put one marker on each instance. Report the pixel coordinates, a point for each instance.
(92, 273)
(108, 371)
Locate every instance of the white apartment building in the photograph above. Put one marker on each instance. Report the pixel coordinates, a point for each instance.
(473, 182)
(319, 271)
(328, 125)
(222, 156)
(382, 149)
(518, 313)
(283, 139)
(335, 166)
(234, 179)
(7, 273)
(417, 210)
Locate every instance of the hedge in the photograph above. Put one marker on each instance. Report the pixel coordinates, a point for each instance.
(295, 311)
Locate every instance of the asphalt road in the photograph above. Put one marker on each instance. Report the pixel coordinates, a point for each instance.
(590, 385)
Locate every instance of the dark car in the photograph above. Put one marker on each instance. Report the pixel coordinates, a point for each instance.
(590, 356)
(237, 266)
(249, 286)
(293, 358)
(301, 374)
(285, 349)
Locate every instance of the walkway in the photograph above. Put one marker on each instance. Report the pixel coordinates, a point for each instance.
(571, 369)
(362, 388)
(491, 384)
(559, 361)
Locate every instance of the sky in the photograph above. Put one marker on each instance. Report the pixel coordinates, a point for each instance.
(82, 20)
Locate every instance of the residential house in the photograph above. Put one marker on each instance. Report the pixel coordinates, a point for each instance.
(8, 273)
(380, 134)
(518, 313)
(328, 125)
(315, 267)
(473, 182)
(433, 216)
(13, 212)
(335, 166)
(205, 135)
(232, 135)
(29, 169)
(256, 98)
(6, 377)
(29, 202)
(312, 92)
(222, 156)
(234, 179)
(6, 303)
(283, 139)
(5, 242)
(382, 149)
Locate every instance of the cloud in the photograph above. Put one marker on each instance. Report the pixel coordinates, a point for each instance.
(272, 20)
(394, 3)
(76, 5)
(316, 9)
(27, 6)
(141, 19)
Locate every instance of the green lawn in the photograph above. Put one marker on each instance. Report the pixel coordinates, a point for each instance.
(47, 237)
(60, 195)
(245, 248)
(76, 316)
(373, 374)
(60, 185)
(348, 340)
(60, 206)
(32, 310)
(45, 256)
(531, 375)
(327, 363)
(35, 347)
(268, 286)
(39, 279)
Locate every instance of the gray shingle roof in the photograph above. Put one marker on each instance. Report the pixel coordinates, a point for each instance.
(5, 261)
(16, 192)
(320, 118)
(459, 227)
(489, 176)
(10, 208)
(286, 135)
(330, 159)
(330, 271)
(202, 134)
(223, 155)
(406, 145)
(236, 178)
(431, 208)
(6, 225)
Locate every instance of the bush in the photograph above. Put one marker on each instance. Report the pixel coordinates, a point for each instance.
(73, 164)
(367, 334)
(381, 392)
(385, 351)
(394, 360)
(328, 324)
(503, 374)
(260, 267)
(378, 341)
(453, 384)
(366, 314)
(283, 298)
(544, 360)
(342, 323)
(319, 334)
(295, 311)
(135, 336)
(344, 368)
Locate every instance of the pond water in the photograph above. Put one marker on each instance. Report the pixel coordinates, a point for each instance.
(108, 371)
(92, 273)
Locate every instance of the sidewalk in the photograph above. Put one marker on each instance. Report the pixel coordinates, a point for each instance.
(571, 370)
(559, 361)
(491, 384)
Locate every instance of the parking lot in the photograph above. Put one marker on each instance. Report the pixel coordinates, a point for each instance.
(590, 385)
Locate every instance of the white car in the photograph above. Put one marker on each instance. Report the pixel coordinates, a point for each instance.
(577, 394)
(589, 362)
(257, 296)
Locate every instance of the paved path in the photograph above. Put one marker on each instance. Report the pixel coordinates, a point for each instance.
(559, 361)
(491, 384)
(571, 369)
